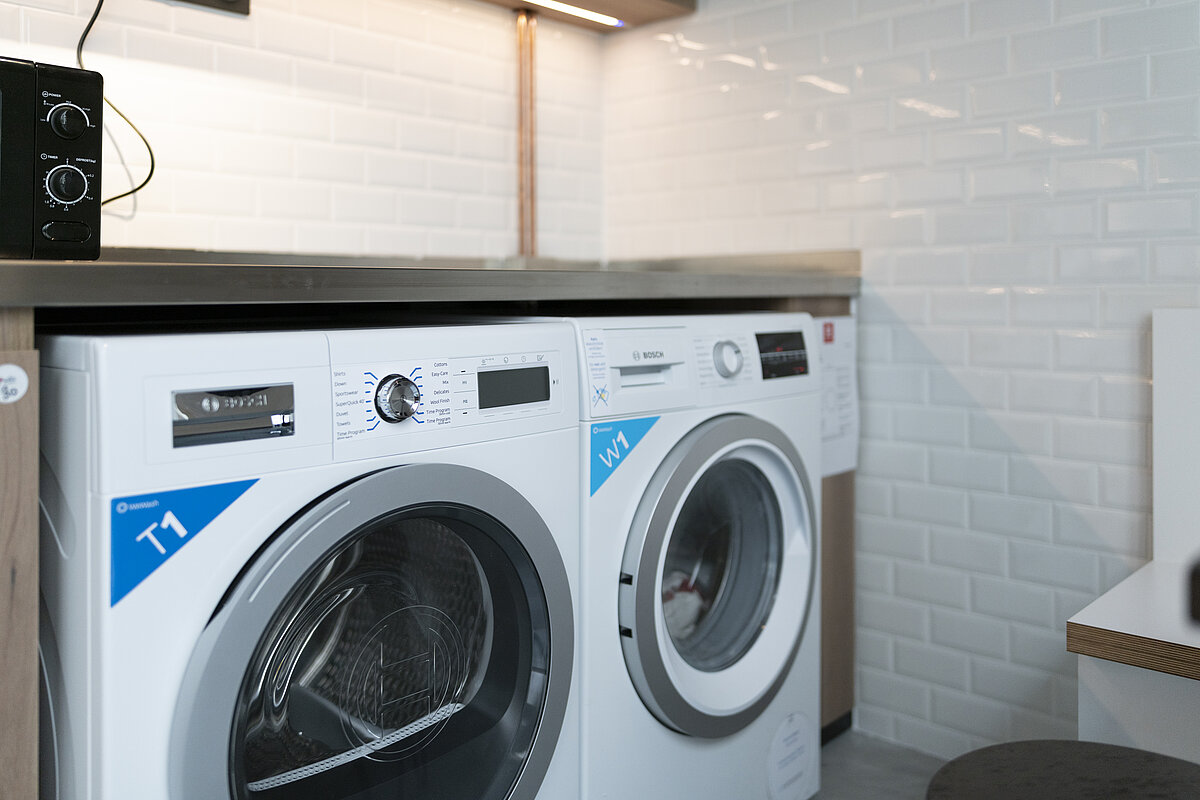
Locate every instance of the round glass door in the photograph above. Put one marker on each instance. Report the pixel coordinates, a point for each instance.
(373, 658)
(717, 576)
(418, 653)
(721, 567)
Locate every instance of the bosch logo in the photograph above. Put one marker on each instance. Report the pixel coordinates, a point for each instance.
(637, 356)
(650, 355)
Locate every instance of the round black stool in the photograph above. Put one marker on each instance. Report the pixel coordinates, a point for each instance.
(1064, 770)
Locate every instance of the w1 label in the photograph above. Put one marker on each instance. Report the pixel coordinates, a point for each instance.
(611, 442)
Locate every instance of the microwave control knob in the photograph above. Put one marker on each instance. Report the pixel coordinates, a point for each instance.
(66, 184)
(397, 398)
(68, 120)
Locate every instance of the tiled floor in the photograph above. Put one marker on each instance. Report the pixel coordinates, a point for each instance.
(859, 767)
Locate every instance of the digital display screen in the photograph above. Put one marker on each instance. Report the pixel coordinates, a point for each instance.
(782, 354)
(513, 387)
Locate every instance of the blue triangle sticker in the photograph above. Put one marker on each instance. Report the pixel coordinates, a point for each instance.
(148, 529)
(611, 442)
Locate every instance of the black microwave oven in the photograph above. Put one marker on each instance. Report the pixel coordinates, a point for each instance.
(50, 143)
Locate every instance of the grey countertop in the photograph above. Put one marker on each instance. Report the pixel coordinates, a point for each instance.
(131, 277)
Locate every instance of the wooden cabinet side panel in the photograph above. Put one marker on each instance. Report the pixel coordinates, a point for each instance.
(837, 558)
(19, 583)
(837, 597)
(16, 329)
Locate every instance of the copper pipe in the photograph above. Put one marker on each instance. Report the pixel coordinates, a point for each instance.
(526, 134)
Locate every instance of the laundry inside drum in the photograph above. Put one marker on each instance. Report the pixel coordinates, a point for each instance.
(722, 564)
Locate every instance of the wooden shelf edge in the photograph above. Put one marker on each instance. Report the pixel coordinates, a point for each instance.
(1171, 658)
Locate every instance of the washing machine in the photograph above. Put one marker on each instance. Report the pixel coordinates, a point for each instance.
(316, 564)
(699, 557)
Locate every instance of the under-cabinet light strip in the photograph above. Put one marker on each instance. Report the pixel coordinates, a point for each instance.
(576, 11)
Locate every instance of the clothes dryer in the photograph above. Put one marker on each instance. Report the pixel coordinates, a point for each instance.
(699, 557)
(335, 565)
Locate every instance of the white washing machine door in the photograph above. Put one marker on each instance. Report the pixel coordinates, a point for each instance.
(409, 635)
(717, 576)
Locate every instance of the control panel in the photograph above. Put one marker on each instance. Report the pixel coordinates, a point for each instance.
(731, 359)
(646, 365)
(67, 139)
(375, 399)
(723, 359)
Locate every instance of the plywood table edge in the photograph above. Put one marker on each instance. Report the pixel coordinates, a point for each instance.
(1171, 658)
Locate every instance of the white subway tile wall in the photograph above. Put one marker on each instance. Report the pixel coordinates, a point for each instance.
(1021, 177)
(356, 127)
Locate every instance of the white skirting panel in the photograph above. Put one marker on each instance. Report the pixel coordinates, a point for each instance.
(1136, 707)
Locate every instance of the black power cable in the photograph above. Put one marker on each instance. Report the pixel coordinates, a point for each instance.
(149, 149)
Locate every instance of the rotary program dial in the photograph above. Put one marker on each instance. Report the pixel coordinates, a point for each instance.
(727, 358)
(397, 398)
